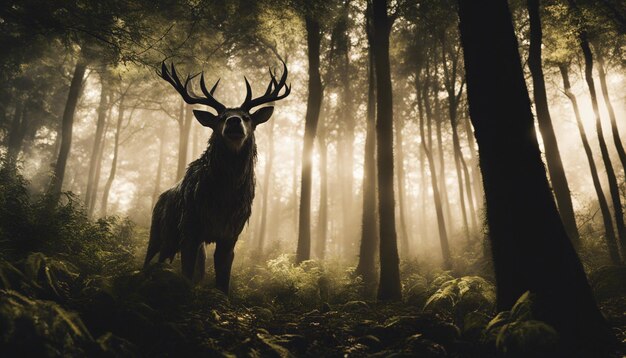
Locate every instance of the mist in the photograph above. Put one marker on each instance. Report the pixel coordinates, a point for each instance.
(410, 180)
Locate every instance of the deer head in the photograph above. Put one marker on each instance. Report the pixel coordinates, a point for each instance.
(235, 125)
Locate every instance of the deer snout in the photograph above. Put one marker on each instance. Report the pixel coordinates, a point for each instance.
(234, 129)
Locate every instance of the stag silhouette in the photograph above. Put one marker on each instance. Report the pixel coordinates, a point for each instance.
(212, 202)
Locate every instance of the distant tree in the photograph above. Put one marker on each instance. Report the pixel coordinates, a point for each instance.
(553, 155)
(531, 249)
(583, 37)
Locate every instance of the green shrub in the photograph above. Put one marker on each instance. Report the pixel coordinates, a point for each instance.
(35, 328)
(31, 224)
(458, 297)
(516, 334)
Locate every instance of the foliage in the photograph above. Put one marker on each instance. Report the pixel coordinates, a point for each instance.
(31, 224)
(459, 297)
(38, 328)
(608, 282)
(281, 284)
(516, 334)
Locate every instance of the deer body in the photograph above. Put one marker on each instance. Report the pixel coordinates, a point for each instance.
(213, 201)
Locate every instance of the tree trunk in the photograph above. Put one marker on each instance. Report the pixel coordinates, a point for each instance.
(184, 125)
(17, 132)
(531, 249)
(617, 140)
(476, 179)
(322, 222)
(456, 144)
(113, 171)
(425, 116)
(159, 170)
(97, 141)
(443, 185)
(314, 102)
(67, 125)
(348, 120)
(604, 151)
(96, 179)
(366, 267)
(400, 177)
(389, 283)
(553, 156)
(266, 188)
(609, 233)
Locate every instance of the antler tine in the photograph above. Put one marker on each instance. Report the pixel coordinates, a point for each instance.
(215, 86)
(271, 94)
(209, 94)
(248, 91)
(183, 89)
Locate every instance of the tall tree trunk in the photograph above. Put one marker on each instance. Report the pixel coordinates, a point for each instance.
(17, 131)
(366, 267)
(609, 233)
(449, 81)
(400, 177)
(389, 283)
(96, 179)
(314, 102)
(266, 188)
(617, 140)
(294, 186)
(184, 125)
(443, 185)
(347, 153)
(425, 116)
(67, 125)
(531, 249)
(159, 170)
(113, 171)
(97, 140)
(476, 179)
(604, 151)
(459, 176)
(553, 156)
(322, 222)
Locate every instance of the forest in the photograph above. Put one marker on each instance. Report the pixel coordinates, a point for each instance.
(420, 178)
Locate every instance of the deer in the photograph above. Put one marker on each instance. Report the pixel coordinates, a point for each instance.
(213, 201)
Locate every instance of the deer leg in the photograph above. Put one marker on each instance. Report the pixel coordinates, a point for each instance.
(188, 256)
(223, 257)
(200, 269)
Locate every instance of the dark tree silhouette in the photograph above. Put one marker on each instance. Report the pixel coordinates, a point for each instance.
(314, 102)
(531, 249)
(389, 284)
(67, 126)
(553, 156)
(583, 38)
(609, 232)
(98, 140)
(369, 223)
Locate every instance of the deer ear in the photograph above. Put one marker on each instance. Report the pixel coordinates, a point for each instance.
(262, 115)
(205, 118)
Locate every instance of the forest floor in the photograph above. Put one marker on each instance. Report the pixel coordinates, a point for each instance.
(48, 310)
(70, 287)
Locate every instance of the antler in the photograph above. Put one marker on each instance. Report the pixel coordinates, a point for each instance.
(272, 92)
(190, 97)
